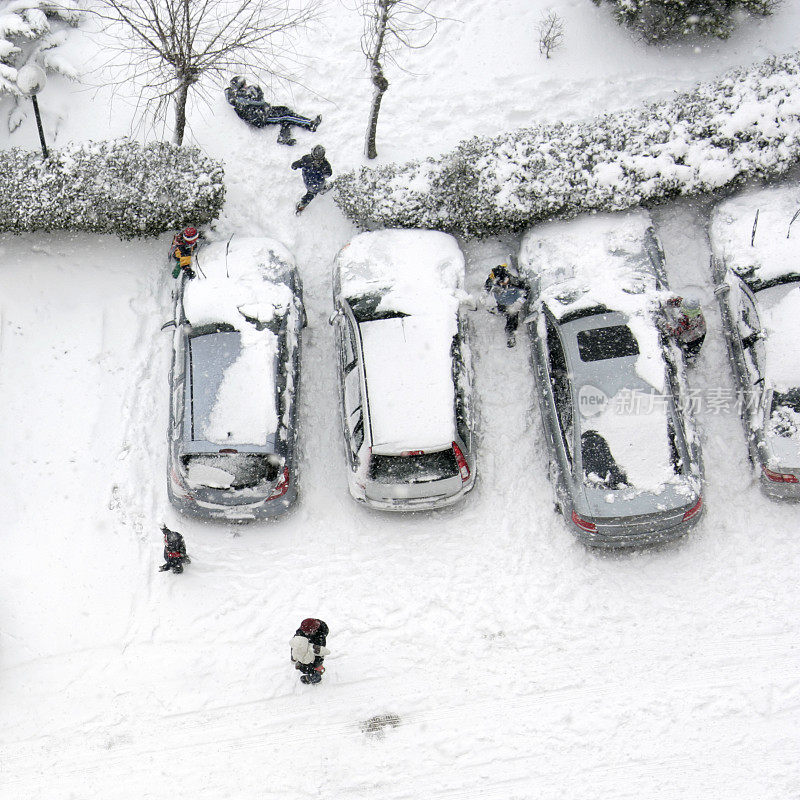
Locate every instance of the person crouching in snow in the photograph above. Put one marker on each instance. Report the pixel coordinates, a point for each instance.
(174, 551)
(683, 320)
(315, 168)
(182, 249)
(308, 649)
(509, 294)
(249, 104)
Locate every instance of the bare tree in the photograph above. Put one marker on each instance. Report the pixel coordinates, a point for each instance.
(551, 33)
(175, 43)
(389, 26)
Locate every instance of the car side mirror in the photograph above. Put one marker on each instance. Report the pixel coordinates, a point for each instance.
(170, 324)
(334, 317)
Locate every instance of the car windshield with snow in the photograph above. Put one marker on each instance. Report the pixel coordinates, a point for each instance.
(757, 276)
(234, 381)
(624, 457)
(405, 369)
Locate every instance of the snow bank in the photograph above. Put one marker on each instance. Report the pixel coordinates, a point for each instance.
(745, 124)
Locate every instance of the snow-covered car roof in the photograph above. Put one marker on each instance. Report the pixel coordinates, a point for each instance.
(602, 261)
(239, 280)
(764, 250)
(239, 283)
(417, 277)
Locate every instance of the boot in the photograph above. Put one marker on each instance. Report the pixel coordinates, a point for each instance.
(315, 122)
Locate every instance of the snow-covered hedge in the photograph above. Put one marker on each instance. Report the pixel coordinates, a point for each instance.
(744, 125)
(657, 20)
(118, 187)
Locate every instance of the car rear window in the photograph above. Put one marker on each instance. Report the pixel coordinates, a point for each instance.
(421, 468)
(231, 470)
(599, 466)
(615, 341)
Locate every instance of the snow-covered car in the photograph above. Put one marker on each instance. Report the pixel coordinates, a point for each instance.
(234, 382)
(405, 370)
(757, 277)
(624, 456)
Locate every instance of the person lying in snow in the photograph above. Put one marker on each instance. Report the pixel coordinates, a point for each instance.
(509, 294)
(315, 168)
(683, 320)
(174, 551)
(182, 249)
(308, 649)
(249, 104)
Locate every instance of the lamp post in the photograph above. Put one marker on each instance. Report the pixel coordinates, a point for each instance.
(31, 80)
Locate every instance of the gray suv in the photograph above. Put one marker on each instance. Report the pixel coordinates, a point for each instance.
(234, 381)
(405, 371)
(624, 457)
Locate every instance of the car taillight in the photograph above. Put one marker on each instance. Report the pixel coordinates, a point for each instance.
(694, 510)
(463, 467)
(228, 450)
(584, 524)
(779, 477)
(282, 486)
(178, 481)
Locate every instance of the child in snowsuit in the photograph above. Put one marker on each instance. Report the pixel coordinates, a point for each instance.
(249, 104)
(182, 249)
(308, 649)
(315, 169)
(683, 320)
(174, 551)
(509, 294)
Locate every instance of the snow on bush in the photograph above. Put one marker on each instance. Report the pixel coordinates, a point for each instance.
(657, 20)
(31, 31)
(745, 124)
(118, 187)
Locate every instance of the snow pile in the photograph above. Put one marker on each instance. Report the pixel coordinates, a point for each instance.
(120, 187)
(600, 260)
(763, 249)
(656, 20)
(745, 124)
(32, 31)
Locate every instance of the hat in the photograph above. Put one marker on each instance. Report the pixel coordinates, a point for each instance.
(309, 625)
(318, 151)
(190, 235)
(690, 306)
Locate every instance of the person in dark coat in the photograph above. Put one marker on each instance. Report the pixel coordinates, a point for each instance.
(315, 169)
(249, 104)
(308, 649)
(509, 293)
(182, 249)
(174, 551)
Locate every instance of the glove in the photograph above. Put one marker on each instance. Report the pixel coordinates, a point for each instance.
(295, 165)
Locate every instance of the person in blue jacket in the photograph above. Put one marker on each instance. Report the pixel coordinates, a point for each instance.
(315, 168)
(249, 104)
(509, 293)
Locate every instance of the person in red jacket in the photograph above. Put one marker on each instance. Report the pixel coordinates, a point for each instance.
(308, 649)
(683, 320)
(183, 246)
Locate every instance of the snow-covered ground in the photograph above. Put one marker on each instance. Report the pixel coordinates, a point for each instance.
(517, 664)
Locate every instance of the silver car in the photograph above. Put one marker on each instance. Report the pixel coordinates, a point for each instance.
(234, 381)
(757, 279)
(405, 371)
(624, 458)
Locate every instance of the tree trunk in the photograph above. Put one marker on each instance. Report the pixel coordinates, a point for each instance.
(180, 112)
(381, 85)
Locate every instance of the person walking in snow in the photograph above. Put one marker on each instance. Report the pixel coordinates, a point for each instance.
(509, 294)
(682, 318)
(308, 649)
(182, 249)
(174, 551)
(249, 104)
(315, 168)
